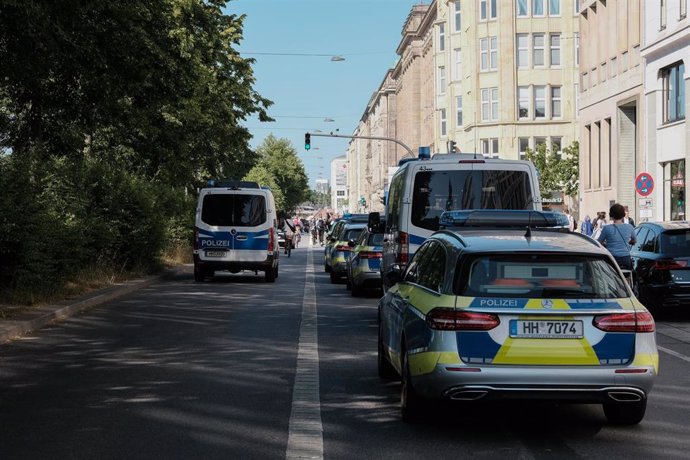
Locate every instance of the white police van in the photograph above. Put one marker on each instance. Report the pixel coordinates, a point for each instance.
(424, 188)
(235, 230)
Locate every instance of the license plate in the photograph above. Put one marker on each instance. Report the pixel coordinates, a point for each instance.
(546, 329)
(216, 253)
(681, 276)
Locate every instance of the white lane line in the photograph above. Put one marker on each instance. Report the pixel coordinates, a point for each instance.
(305, 435)
(674, 353)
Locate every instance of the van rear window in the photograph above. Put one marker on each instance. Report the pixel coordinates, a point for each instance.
(225, 210)
(439, 191)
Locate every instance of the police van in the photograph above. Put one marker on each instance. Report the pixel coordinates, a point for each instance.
(235, 230)
(422, 189)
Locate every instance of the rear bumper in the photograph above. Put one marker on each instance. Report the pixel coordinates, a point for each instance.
(270, 262)
(670, 295)
(367, 280)
(585, 385)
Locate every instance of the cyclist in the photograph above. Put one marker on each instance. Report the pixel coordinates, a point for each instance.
(289, 230)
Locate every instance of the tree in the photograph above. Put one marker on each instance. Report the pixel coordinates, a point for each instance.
(556, 174)
(263, 176)
(280, 158)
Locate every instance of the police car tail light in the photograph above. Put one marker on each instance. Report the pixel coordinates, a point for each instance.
(271, 240)
(370, 255)
(404, 253)
(342, 247)
(625, 322)
(449, 319)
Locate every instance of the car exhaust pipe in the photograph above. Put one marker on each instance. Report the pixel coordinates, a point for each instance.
(625, 396)
(467, 395)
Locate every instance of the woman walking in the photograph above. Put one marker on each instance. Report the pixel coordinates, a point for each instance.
(618, 237)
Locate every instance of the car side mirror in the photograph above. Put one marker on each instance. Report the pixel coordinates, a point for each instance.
(394, 275)
(374, 221)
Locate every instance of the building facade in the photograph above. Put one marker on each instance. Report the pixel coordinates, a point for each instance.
(339, 198)
(666, 48)
(611, 104)
(505, 75)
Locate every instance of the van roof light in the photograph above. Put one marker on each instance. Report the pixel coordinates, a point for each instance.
(235, 184)
(503, 218)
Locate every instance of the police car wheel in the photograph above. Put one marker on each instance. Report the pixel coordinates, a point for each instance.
(334, 278)
(628, 413)
(199, 275)
(270, 275)
(411, 404)
(356, 290)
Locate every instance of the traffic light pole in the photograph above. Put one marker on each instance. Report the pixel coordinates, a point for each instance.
(376, 138)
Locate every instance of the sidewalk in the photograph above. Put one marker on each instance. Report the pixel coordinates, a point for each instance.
(35, 318)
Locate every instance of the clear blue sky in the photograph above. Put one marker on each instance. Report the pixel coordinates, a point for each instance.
(307, 89)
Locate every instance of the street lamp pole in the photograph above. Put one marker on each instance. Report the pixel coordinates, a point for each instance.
(378, 138)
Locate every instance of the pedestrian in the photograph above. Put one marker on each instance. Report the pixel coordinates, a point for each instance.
(587, 227)
(618, 237)
(571, 220)
(627, 219)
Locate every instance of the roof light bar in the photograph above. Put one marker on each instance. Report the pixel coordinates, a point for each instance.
(503, 218)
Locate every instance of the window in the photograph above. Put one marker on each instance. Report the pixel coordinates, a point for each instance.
(662, 14)
(554, 7)
(522, 51)
(443, 122)
(674, 92)
(432, 268)
(555, 48)
(483, 54)
(458, 63)
(538, 51)
(494, 103)
(441, 37)
(482, 10)
(577, 6)
(577, 48)
(489, 147)
(556, 102)
(458, 16)
(523, 102)
(537, 7)
(441, 80)
(683, 9)
(522, 7)
(485, 104)
(458, 108)
(540, 102)
(523, 145)
(493, 61)
(539, 141)
(340, 192)
(603, 74)
(229, 210)
(613, 68)
(494, 9)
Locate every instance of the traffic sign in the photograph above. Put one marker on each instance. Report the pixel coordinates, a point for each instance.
(644, 184)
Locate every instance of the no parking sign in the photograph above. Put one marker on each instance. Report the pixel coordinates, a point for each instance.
(644, 184)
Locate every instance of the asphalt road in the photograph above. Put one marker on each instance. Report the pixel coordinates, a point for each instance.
(188, 370)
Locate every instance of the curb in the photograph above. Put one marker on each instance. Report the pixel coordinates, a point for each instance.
(13, 329)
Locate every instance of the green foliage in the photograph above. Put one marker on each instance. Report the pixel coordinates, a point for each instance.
(263, 176)
(556, 174)
(318, 198)
(280, 159)
(111, 112)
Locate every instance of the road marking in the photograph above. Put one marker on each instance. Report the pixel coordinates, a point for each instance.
(674, 353)
(305, 434)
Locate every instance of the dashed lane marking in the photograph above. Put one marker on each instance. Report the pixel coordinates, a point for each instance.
(305, 435)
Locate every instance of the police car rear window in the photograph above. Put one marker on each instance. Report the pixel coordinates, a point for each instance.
(226, 210)
(375, 239)
(352, 234)
(539, 276)
(439, 191)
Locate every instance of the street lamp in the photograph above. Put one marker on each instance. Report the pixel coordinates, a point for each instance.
(337, 58)
(328, 120)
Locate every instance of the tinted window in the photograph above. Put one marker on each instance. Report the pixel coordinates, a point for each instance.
(641, 235)
(675, 243)
(351, 234)
(651, 242)
(375, 239)
(394, 201)
(539, 276)
(411, 275)
(432, 268)
(233, 210)
(439, 191)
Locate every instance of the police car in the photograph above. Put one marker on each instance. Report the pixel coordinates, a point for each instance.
(498, 305)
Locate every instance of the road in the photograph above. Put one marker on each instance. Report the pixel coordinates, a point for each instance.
(224, 370)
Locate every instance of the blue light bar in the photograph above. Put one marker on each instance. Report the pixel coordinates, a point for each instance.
(504, 218)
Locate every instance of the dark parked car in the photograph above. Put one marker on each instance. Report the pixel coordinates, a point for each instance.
(661, 262)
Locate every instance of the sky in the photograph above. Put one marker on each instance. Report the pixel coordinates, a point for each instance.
(306, 90)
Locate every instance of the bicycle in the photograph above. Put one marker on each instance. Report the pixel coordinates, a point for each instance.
(288, 245)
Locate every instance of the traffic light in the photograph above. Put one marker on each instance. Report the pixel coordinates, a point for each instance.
(362, 201)
(307, 141)
(681, 197)
(453, 147)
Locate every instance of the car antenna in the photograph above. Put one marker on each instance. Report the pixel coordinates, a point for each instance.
(528, 233)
